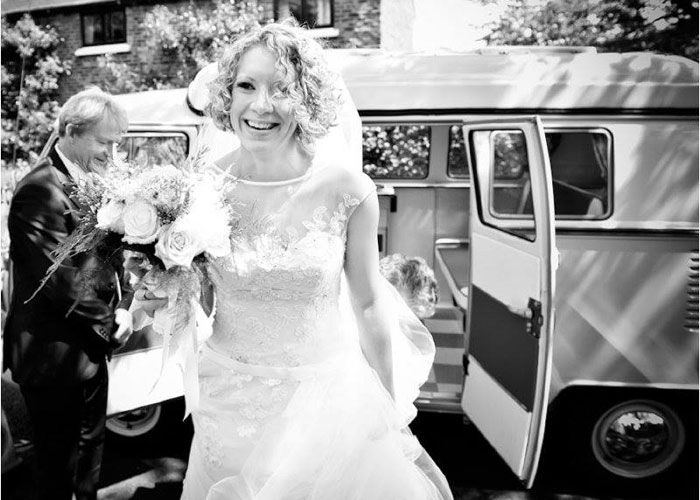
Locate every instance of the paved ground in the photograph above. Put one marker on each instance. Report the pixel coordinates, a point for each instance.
(153, 467)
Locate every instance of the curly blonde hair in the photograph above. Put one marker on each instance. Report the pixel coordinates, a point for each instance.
(414, 279)
(308, 84)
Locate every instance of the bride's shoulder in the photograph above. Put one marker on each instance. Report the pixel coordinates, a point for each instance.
(223, 163)
(220, 166)
(347, 180)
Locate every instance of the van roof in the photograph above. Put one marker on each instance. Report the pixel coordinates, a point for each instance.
(482, 81)
(537, 80)
(162, 107)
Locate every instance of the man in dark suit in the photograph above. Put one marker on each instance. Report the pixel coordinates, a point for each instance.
(56, 344)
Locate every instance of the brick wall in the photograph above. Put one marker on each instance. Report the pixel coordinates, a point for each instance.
(85, 68)
(358, 23)
(356, 20)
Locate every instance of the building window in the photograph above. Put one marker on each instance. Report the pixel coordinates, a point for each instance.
(311, 13)
(108, 25)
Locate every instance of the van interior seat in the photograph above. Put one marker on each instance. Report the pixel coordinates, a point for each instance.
(570, 200)
(579, 180)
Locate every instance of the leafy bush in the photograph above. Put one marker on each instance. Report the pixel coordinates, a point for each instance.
(193, 37)
(396, 152)
(666, 26)
(31, 69)
(29, 74)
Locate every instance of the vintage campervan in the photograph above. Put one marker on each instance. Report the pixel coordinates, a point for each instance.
(555, 192)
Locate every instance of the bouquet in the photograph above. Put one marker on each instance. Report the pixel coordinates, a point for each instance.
(177, 217)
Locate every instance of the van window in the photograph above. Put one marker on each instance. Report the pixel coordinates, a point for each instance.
(396, 151)
(504, 152)
(457, 165)
(580, 161)
(150, 149)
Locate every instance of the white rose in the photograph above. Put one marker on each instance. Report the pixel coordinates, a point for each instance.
(219, 245)
(109, 216)
(141, 223)
(177, 246)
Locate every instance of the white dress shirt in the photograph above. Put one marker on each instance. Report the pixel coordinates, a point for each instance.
(74, 170)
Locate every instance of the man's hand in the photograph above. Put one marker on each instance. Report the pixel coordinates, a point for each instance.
(148, 302)
(125, 328)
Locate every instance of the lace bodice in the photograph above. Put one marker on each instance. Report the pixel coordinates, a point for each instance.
(277, 294)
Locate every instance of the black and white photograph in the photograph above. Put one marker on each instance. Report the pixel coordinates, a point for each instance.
(349, 249)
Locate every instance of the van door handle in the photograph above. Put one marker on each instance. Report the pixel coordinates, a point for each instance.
(533, 314)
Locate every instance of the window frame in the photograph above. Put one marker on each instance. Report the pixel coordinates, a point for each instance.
(276, 6)
(554, 129)
(103, 17)
(450, 175)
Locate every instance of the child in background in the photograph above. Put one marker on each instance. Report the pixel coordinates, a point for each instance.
(414, 280)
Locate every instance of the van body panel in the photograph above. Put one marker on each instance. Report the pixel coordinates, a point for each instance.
(623, 310)
(159, 107)
(136, 376)
(655, 174)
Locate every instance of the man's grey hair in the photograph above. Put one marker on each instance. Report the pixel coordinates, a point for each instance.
(86, 108)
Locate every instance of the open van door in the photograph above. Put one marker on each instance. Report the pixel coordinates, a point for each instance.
(510, 315)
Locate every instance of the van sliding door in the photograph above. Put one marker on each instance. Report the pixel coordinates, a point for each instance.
(510, 315)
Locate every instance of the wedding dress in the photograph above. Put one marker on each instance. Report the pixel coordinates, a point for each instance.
(288, 408)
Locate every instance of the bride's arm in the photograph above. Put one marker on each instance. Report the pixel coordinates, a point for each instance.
(362, 271)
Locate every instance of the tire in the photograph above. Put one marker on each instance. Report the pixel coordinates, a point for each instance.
(136, 422)
(164, 432)
(622, 441)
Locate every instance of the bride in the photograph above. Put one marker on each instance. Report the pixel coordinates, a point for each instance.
(307, 382)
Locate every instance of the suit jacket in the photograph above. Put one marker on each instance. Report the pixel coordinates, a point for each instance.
(60, 336)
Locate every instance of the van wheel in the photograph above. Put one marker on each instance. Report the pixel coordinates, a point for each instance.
(637, 439)
(136, 422)
(157, 428)
(602, 441)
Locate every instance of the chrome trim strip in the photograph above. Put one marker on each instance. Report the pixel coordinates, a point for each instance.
(451, 241)
(439, 406)
(631, 385)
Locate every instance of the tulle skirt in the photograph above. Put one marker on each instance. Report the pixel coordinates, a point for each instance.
(325, 431)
